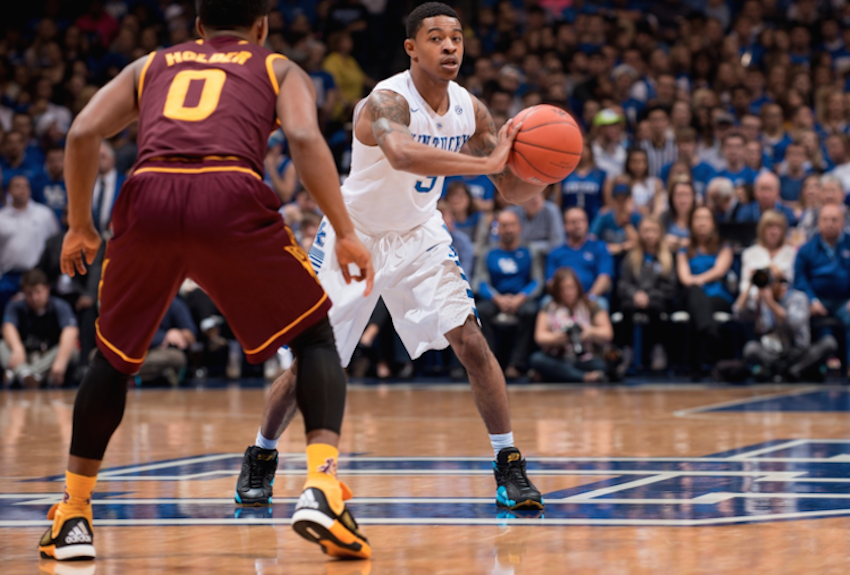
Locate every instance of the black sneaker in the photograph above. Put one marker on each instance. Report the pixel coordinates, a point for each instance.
(514, 489)
(254, 486)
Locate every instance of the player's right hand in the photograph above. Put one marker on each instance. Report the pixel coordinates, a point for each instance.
(78, 242)
(350, 250)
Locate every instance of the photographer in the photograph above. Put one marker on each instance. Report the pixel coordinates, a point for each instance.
(572, 331)
(783, 348)
(770, 250)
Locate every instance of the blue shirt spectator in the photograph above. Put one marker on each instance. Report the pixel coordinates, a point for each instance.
(790, 187)
(606, 228)
(766, 191)
(481, 187)
(16, 162)
(177, 316)
(822, 268)
(588, 258)
(745, 175)
(49, 186)
(583, 188)
(509, 271)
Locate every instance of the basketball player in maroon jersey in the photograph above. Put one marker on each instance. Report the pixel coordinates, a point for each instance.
(196, 206)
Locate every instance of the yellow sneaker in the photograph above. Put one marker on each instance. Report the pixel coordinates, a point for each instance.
(71, 537)
(316, 520)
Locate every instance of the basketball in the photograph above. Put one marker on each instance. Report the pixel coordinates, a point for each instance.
(548, 146)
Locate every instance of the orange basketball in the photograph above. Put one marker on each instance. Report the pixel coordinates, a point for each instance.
(548, 146)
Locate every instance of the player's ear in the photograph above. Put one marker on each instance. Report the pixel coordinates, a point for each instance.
(410, 48)
(261, 29)
(200, 27)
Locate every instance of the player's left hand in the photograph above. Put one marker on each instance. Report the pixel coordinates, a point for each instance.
(350, 250)
(499, 157)
(78, 242)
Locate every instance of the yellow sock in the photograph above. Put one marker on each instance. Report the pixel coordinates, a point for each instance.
(78, 490)
(321, 473)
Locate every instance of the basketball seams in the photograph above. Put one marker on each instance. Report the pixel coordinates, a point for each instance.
(535, 168)
(524, 143)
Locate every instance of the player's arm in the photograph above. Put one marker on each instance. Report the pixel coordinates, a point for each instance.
(296, 109)
(111, 110)
(385, 121)
(484, 143)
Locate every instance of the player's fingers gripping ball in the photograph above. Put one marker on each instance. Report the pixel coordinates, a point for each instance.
(548, 146)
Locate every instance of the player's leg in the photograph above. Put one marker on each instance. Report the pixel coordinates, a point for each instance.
(271, 297)
(142, 272)
(514, 489)
(444, 314)
(349, 316)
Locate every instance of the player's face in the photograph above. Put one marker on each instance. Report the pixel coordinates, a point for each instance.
(37, 296)
(438, 47)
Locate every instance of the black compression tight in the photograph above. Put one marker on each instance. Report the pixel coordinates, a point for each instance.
(320, 382)
(98, 408)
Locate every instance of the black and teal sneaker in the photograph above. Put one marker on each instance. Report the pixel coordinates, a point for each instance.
(254, 486)
(514, 489)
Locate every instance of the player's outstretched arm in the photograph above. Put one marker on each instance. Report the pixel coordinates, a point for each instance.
(385, 122)
(296, 108)
(111, 109)
(486, 142)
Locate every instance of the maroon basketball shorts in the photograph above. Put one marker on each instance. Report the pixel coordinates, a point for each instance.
(219, 228)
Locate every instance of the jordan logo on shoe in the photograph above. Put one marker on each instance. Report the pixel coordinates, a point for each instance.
(513, 457)
(79, 534)
(307, 501)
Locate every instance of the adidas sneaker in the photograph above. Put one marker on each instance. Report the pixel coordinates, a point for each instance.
(337, 534)
(74, 541)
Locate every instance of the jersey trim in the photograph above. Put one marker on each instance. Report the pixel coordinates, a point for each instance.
(142, 74)
(270, 69)
(289, 327)
(198, 170)
(114, 349)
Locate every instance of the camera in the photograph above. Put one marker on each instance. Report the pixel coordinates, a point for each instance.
(762, 278)
(573, 333)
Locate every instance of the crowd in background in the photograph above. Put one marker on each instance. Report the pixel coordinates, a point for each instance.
(703, 229)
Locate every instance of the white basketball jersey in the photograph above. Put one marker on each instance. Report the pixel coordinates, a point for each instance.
(380, 198)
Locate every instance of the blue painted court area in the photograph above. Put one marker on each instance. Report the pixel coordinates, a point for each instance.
(784, 479)
(831, 400)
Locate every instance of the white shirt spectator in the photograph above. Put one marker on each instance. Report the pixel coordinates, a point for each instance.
(757, 258)
(842, 172)
(23, 235)
(612, 164)
(105, 189)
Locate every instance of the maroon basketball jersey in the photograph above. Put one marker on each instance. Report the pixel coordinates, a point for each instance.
(208, 99)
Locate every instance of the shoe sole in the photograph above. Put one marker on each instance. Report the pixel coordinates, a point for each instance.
(68, 552)
(333, 537)
(527, 504)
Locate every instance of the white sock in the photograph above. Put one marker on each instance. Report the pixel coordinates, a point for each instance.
(499, 441)
(263, 442)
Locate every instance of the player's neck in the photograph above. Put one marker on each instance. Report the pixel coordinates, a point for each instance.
(435, 94)
(231, 33)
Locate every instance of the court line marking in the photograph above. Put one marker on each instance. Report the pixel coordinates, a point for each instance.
(452, 521)
(584, 499)
(769, 475)
(770, 449)
(622, 486)
(751, 399)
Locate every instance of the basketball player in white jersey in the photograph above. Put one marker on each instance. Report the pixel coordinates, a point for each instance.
(407, 135)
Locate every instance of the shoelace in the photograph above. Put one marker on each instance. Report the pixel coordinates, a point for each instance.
(257, 473)
(516, 471)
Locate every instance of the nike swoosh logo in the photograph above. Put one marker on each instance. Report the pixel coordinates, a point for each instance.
(431, 248)
(414, 109)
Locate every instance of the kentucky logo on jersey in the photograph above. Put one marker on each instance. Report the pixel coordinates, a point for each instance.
(450, 144)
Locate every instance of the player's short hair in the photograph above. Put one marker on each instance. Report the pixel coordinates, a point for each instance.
(427, 10)
(229, 14)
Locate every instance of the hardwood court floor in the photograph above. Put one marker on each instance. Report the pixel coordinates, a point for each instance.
(637, 479)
